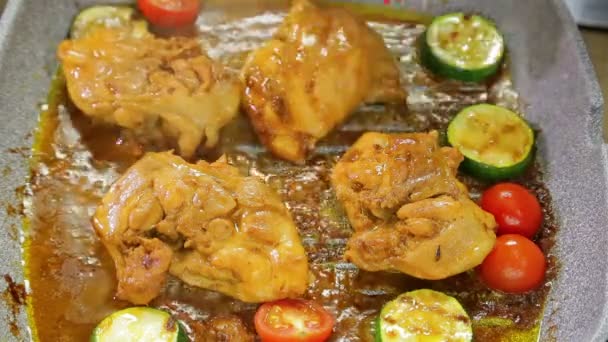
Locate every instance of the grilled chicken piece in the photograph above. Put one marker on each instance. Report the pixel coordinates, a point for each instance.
(409, 212)
(319, 67)
(165, 92)
(203, 223)
(431, 239)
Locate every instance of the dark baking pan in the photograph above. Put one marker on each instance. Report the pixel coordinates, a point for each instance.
(551, 72)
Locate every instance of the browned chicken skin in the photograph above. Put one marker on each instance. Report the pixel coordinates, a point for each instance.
(165, 92)
(203, 223)
(409, 212)
(319, 67)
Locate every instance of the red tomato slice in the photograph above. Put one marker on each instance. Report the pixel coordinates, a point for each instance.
(515, 265)
(515, 209)
(293, 320)
(170, 13)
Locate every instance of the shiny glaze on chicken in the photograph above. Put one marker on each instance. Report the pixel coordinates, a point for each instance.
(206, 225)
(409, 212)
(320, 65)
(165, 92)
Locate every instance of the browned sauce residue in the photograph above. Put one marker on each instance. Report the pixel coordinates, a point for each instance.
(14, 297)
(12, 210)
(21, 151)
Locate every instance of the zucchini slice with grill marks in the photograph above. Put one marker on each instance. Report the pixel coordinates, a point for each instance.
(462, 47)
(139, 324)
(423, 316)
(497, 143)
(107, 16)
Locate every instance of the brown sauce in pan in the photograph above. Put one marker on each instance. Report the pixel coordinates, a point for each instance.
(72, 277)
(14, 298)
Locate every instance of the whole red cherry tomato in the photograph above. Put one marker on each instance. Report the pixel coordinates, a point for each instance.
(170, 13)
(515, 209)
(515, 265)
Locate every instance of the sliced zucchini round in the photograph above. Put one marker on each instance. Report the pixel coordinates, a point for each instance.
(462, 47)
(497, 144)
(139, 324)
(106, 16)
(423, 316)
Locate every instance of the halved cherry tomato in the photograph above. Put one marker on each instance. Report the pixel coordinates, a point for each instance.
(293, 320)
(170, 13)
(515, 209)
(515, 265)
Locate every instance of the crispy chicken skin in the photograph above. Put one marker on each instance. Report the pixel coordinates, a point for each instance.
(320, 66)
(203, 223)
(409, 212)
(165, 92)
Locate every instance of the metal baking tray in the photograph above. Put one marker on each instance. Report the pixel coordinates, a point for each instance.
(551, 71)
(591, 13)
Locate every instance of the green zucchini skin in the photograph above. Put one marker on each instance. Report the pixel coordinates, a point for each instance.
(502, 118)
(494, 174)
(449, 70)
(181, 335)
(377, 333)
(439, 68)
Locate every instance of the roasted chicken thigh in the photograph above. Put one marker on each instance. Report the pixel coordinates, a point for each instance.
(409, 212)
(321, 64)
(203, 223)
(166, 92)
